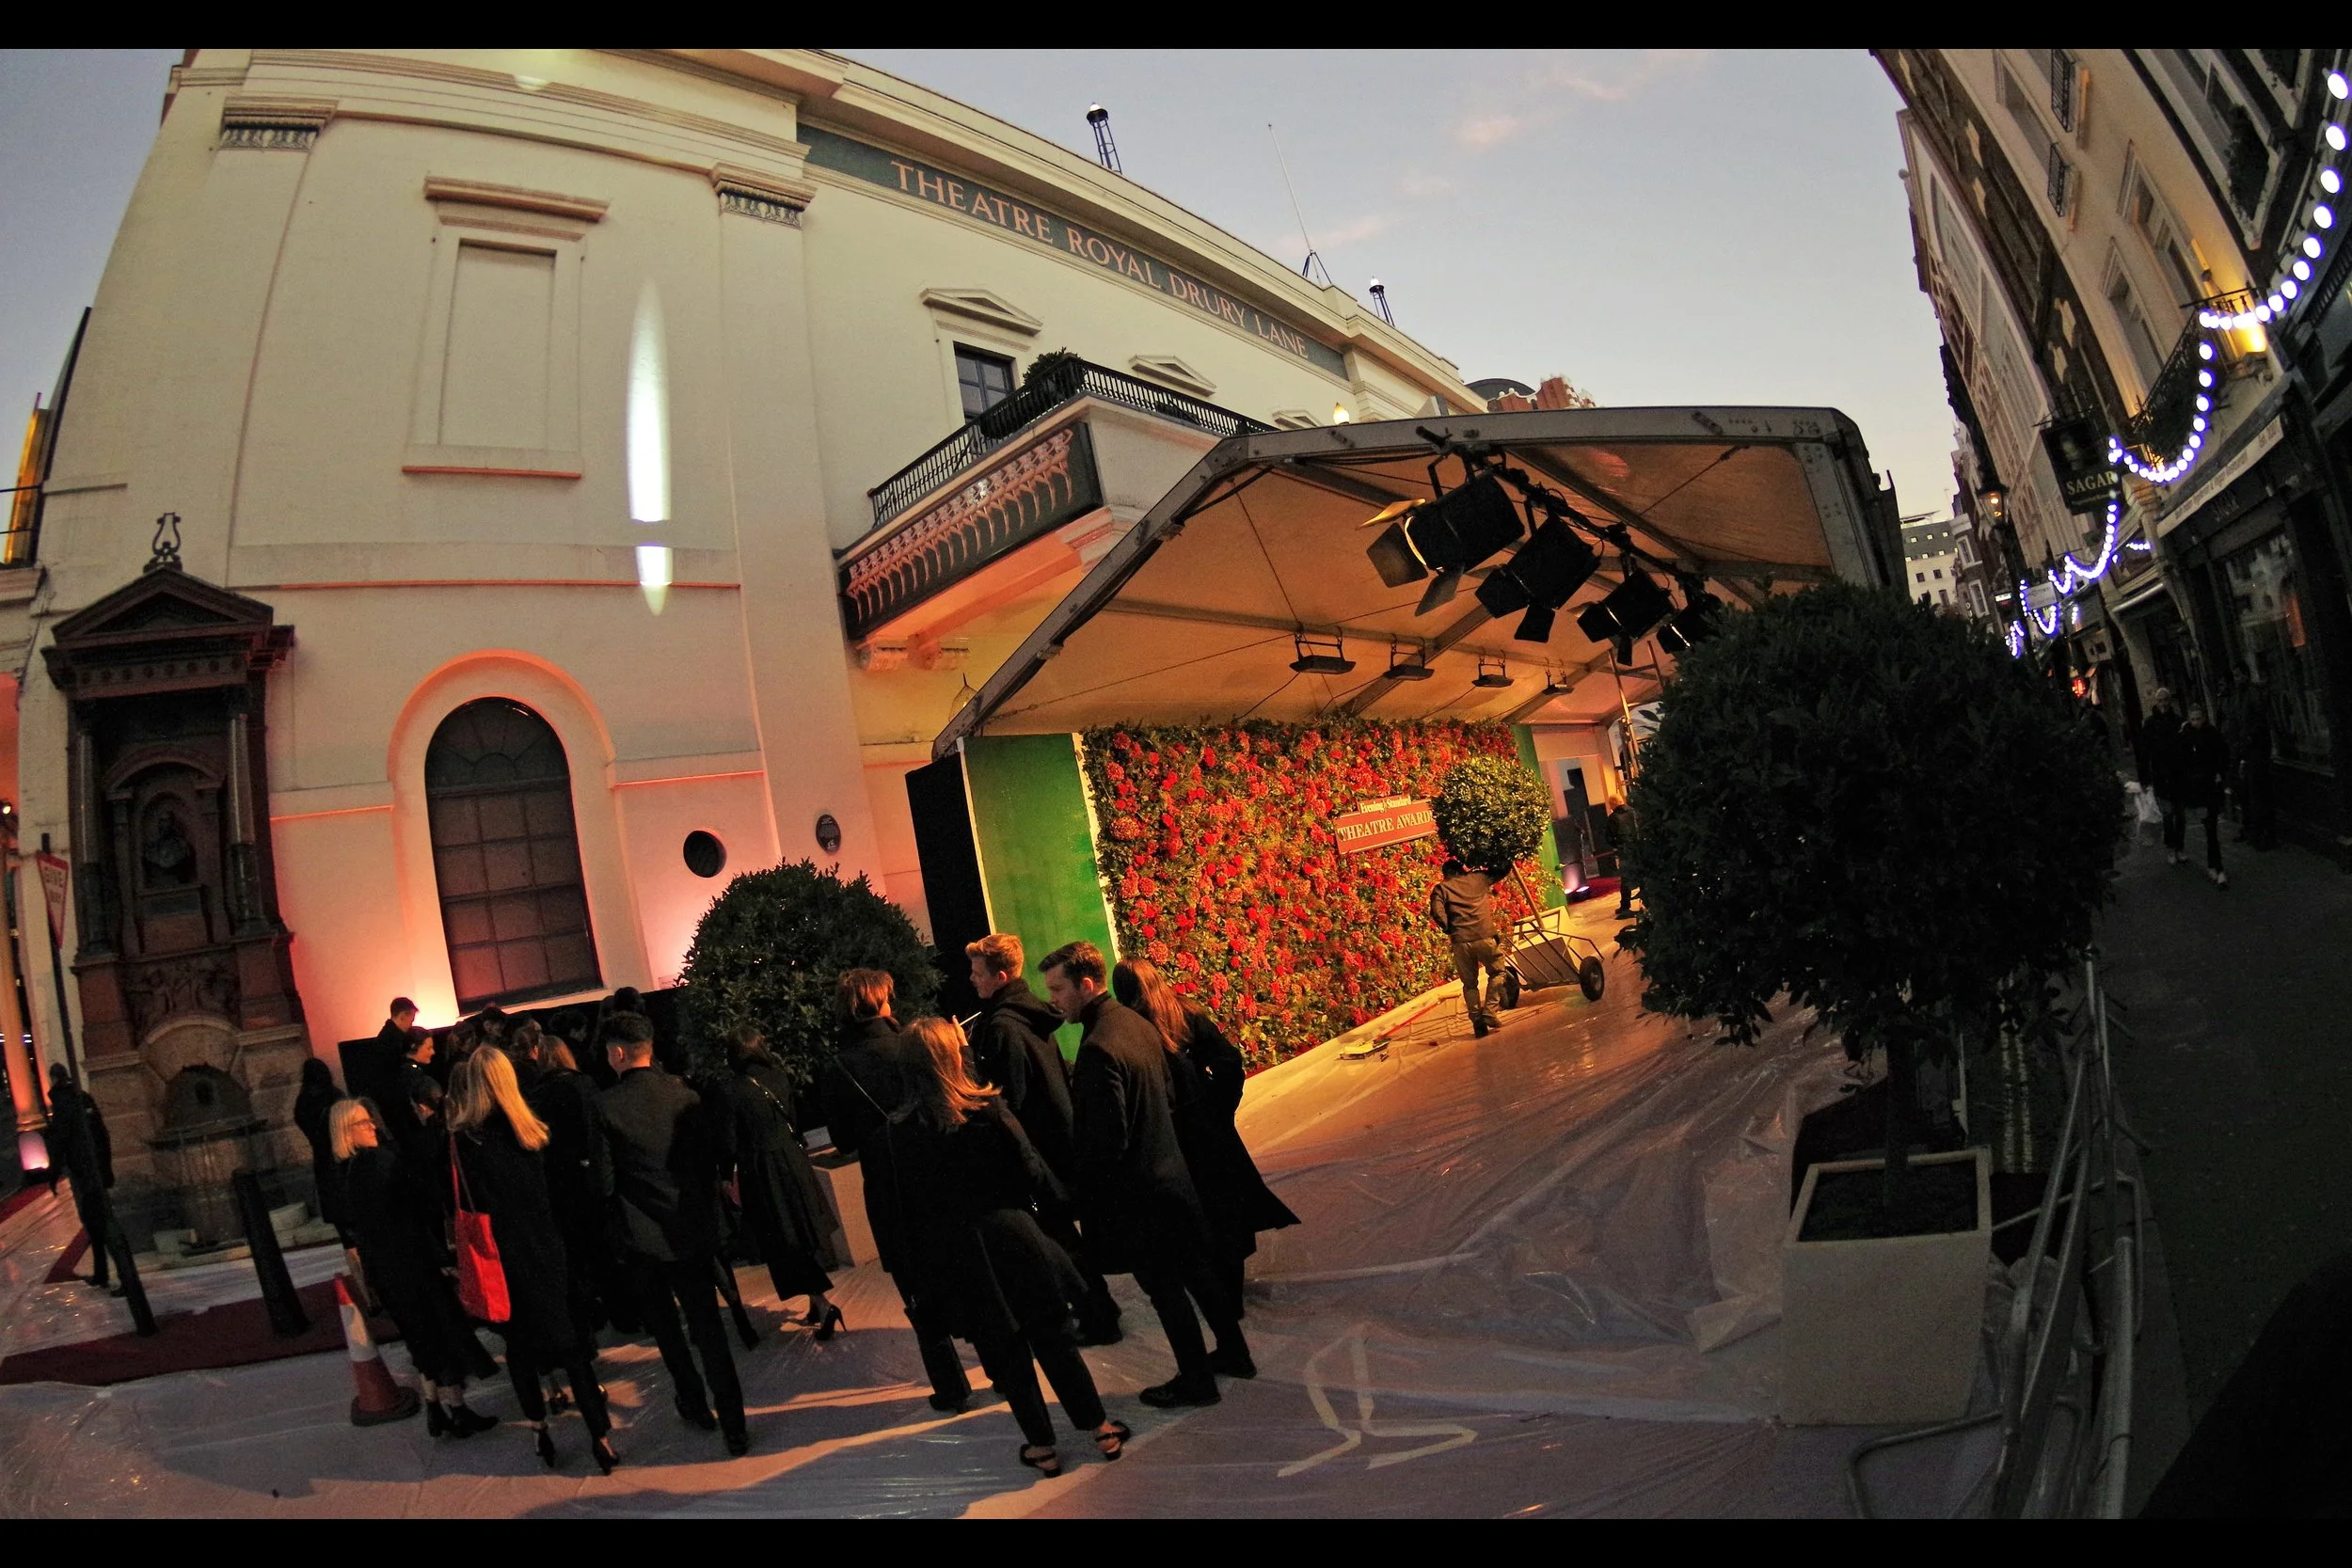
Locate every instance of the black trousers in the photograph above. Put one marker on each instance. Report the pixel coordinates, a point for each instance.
(663, 1289)
(524, 1367)
(94, 1217)
(1097, 1313)
(1178, 1277)
(937, 1347)
(1013, 1365)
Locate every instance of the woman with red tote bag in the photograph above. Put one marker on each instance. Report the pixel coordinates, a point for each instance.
(511, 1267)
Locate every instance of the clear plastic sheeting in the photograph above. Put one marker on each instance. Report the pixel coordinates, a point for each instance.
(1537, 1273)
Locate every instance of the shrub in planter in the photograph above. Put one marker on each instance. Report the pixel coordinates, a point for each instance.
(1491, 813)
(1876, 810)
(770, 949)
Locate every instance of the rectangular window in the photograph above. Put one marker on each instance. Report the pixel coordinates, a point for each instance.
(2264, 619)
(494, 388)
(985, 380)
(2146, 352)
(2019, 103)
(2062, 88)
(1960, 260)
(2061, 180)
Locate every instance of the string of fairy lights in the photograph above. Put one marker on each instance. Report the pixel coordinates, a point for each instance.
(2299, 261)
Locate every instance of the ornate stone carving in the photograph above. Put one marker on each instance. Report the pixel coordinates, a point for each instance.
(202, 983)
(278, 124)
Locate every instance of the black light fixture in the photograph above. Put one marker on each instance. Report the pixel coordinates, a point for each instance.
(1444, 537)
(1496, 678)
(1628, 611)
(1699, 619)
(1549, 567)
(1334, 663)
(1415, 668)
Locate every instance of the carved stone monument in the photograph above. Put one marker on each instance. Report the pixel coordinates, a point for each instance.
(192, 1028)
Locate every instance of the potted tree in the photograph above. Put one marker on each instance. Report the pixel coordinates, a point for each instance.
(1877, 812)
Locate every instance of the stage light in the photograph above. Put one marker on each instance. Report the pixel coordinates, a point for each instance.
(1334, 663)
(1693, 624)
(1415, 668)
(1446, 536)
(1628, 611)
(1551, 566)
(1496, 678)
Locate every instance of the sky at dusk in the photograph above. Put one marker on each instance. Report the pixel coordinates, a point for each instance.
(1660, 227)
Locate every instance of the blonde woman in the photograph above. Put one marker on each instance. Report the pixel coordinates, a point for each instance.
(395, 1222)
(496, 1141)
(967, 1177)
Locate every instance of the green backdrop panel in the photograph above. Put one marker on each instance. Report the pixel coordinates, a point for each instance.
(1036, 849)
(1548, 851)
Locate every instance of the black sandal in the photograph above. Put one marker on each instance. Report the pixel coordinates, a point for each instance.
(1114, 1442)
(1046, 1462)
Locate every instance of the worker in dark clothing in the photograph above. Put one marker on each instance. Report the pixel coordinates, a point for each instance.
(2200, 767)
(1462, 907)
(2159, 764)
(1013, 1048)
(81, 1140)
(1626, 828)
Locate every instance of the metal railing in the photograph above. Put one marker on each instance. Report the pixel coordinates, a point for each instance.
(1063, 383)
(2068, 1347)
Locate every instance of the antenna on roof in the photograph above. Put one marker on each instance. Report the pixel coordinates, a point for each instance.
(1313, 264)
(1106, 150)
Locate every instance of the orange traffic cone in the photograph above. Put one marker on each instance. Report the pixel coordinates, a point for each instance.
(378, 1398)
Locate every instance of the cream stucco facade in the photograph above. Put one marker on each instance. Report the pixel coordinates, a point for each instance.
(372, 327)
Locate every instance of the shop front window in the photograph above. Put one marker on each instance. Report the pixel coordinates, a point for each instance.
(2270, 643)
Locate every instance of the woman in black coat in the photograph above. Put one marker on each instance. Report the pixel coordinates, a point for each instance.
(311, 1111)
(395, 1224)
(496, 1141)
(1205, 1073)
(967, 1177)
(786, 1223)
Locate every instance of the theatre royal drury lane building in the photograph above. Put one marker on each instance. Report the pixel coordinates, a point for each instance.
(494, 497)
(527, 418)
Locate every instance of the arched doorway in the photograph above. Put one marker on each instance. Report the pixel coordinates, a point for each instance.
(506, 857)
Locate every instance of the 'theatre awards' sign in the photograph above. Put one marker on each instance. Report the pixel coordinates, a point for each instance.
(1378, 823)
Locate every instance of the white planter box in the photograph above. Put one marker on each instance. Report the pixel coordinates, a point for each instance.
(1884, 1331)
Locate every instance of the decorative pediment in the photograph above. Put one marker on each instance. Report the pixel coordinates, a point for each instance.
(165, 631)
(989, 310)
(1169, 370)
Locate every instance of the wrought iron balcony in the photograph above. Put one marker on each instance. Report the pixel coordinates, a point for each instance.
(2163, 424)
(1063, 384)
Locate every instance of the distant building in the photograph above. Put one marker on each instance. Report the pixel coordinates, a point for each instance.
(1505, 396)
(1931, 565)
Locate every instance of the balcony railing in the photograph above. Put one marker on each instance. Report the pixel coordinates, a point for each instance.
(1063, 384)
(2164, 420)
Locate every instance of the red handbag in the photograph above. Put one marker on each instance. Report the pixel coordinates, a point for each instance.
(481, 1276)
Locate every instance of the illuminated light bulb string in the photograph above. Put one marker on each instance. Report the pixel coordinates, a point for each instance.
(2287, 289)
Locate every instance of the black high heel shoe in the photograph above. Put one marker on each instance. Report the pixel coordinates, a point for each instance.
(436, 1423)
(464, 1421)
(545, 1446)
(831, 1323)
(601, 1449)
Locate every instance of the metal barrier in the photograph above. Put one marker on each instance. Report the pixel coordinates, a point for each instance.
(2047, 1361)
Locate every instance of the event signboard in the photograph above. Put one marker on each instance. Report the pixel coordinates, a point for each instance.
(2087, 480)
(1376, 823)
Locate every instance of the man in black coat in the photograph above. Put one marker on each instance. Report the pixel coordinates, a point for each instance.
(2200, 771)
(372, 1066)
(1013, 1048)
(1134, 1187)
(78, 1137)
(2159, 768)
(864, 1086)
(1462, 907)
(665, 1188)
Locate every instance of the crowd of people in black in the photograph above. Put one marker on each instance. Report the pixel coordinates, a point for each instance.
(2190, 765)
(1000, 1187)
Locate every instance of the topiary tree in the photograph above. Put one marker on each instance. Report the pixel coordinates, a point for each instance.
(770, 949)
(1491, 814)
(1877, 810)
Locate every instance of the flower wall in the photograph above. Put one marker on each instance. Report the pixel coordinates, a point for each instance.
(1224, 871)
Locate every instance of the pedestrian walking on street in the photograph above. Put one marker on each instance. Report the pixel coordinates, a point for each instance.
(397, 1224)
(78, 1133)
(785, 1217)
(1141, 1210)
(1013, 1051)
(497, 1143)
(1206, 1072)
(1625, 827)
(665, 1185)
(2200, 768)
(868, 1087)
(2159, 769)
(970, 1179)
(579, 1182)
(1462, 906)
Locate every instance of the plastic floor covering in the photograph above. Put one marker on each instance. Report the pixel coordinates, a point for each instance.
(1537, 1274)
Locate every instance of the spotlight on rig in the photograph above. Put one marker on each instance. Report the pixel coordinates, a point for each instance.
(1700, 618)
(1496, 678)
(1336, 663)
(1443, 538)
(1414, 669)
(1628, 611)
(1551, 565)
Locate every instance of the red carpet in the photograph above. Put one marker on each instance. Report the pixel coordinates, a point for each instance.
(235, 1334)
(62, 1269)
(31, 1192)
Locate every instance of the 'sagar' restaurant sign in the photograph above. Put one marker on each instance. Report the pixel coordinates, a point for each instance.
(1023, 221)
(1378, 823)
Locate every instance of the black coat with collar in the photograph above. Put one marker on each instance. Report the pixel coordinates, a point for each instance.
(665, 1182)
(508, 1182)
(865, 1085)
(1135, 1192)
(1014, 1048)
(1207, 1075)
